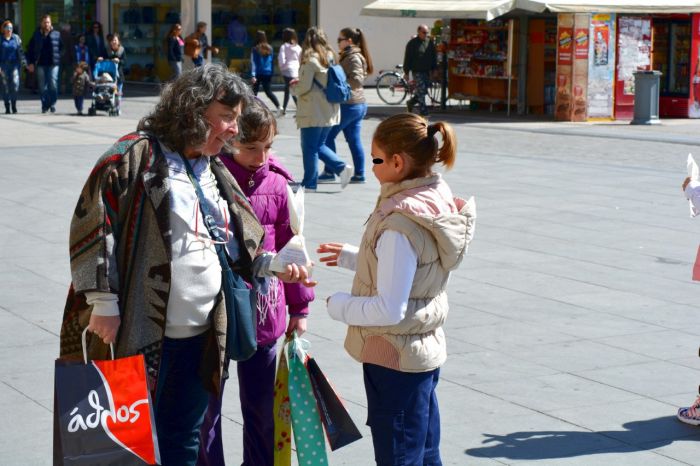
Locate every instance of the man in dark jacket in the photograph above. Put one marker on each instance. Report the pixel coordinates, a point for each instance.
(44, 55)
(421, 59)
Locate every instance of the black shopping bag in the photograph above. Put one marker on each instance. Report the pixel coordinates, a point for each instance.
(103, 414)
(339, 427)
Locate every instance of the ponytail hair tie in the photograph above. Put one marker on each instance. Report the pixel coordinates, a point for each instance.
(432, 129)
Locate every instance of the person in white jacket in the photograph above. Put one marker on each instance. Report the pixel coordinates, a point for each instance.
(289, 61)
(315, 114)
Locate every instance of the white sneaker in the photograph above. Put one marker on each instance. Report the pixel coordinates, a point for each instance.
(345, 175)
(691, 414)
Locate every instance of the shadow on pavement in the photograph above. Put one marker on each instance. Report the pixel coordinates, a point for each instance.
(548, 444)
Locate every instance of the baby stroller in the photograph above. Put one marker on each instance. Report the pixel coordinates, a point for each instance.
(105, 92)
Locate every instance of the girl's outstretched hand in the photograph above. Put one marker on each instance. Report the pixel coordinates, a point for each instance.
(296, 274)
(333, 251)
(685, 183)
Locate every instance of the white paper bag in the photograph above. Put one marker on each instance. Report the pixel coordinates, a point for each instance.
(694, 175)
(294, 252)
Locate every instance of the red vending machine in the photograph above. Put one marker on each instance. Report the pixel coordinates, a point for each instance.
(673, 55)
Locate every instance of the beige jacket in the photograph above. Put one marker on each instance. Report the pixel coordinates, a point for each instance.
(313, 109)
(355, 67)
(439, 228)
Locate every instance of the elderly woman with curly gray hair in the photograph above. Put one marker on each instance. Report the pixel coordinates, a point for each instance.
(145, 273)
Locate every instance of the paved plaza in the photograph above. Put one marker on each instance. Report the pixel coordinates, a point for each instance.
(573, 331)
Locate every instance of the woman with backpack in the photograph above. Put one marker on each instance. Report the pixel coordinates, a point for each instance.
(262, 65)
(315, 114)
(357, 64)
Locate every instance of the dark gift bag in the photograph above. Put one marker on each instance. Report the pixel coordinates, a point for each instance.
(103, 413)
(339, 427)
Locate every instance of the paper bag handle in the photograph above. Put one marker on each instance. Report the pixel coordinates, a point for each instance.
(84, 339)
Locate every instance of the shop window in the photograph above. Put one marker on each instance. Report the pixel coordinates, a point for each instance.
(77, 14)
(234, 24)
(143, 28)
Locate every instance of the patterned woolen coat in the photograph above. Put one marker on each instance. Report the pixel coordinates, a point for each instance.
(120, 243)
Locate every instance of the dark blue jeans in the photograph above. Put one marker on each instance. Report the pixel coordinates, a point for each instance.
(181, 400)
(403, 416)
(47, 76)
(256, 380)
(313, 147)
(351, 116)
(79, 103)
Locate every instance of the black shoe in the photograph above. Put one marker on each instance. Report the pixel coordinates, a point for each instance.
(53, 109)
(326, 177)
(357, 179)
(7, 108)
(14, 107)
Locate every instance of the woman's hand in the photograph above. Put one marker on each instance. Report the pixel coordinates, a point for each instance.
(253, 80)
(294, 82)
(333, 250)
(100, 58)
(105, 327)
(296, 274)
(685, 183)
(297, 323)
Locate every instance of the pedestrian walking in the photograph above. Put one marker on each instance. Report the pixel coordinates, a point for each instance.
(82, 52)
(691, 414)
(416, 236)
(264, 181)
(315, 114)
(146, 274)
(289, 60)
(117, 53)
(357, 64)
(420, 59)
(197, 45)
(96, 43)
(261, 67)
(44, 56)
(175, 47)
(11, 58)
(81, 84)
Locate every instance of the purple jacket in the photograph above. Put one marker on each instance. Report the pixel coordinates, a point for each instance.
(267, 190)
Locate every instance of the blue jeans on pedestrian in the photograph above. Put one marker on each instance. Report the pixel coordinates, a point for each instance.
(256, 380)
(181, 400)
(199, 61)
(10, 82)
(78, 100)
(351, 116)
(47, 77)
(403, 416)
(313, 147)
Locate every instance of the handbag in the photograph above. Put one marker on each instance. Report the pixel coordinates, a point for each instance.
(240, 300)
(103, 412)
(282, 412)
(339, 426)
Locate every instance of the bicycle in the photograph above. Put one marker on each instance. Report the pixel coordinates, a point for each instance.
(393, 88)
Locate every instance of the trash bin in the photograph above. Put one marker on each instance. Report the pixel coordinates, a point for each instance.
(646, 97)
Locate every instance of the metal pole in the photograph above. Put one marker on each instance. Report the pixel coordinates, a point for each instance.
(443, 90)
(510, 60)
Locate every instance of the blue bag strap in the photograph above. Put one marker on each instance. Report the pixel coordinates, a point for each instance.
(210, 223)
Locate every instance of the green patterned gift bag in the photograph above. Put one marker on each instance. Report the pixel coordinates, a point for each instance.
(306, 422)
